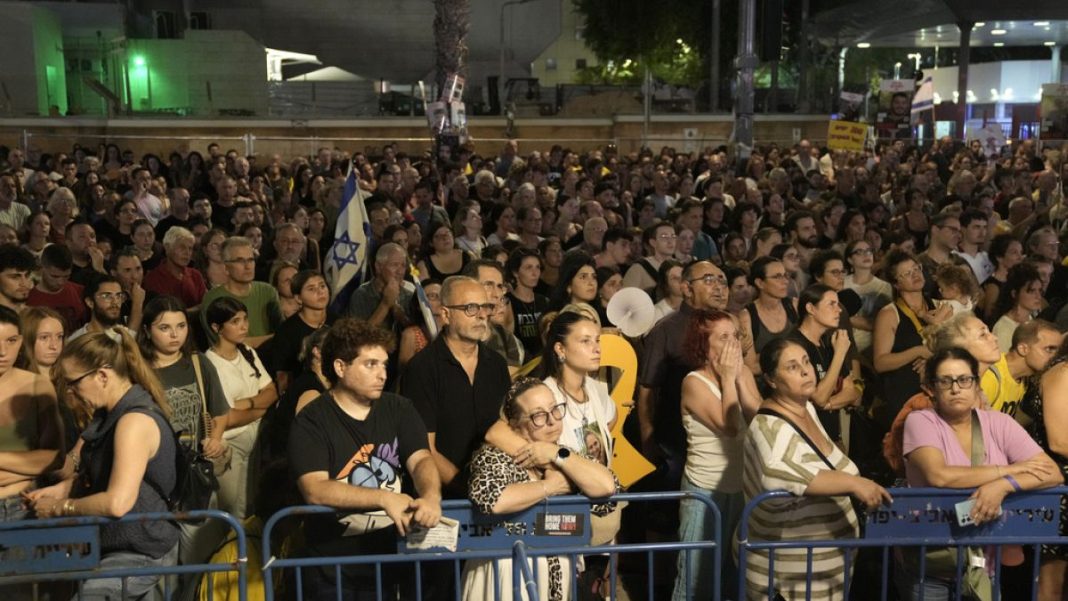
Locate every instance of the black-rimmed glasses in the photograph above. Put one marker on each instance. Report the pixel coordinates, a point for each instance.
(472, 309)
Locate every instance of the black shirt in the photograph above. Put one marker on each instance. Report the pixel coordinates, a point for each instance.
(527, 315)
(372, 453)
(453, 408)
(167, 223)
(288, 340)
(820, 356)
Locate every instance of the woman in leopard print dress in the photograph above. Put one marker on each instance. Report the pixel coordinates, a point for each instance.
(501, 485)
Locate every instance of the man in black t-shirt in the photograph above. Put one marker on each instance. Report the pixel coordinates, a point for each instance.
(352, 449)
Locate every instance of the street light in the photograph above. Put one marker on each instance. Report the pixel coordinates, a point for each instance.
(500, 72)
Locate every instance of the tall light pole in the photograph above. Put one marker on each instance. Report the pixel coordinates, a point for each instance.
(500, 71)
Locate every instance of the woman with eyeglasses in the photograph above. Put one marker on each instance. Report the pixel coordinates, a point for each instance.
(126, 465)
(501, 485)
(874, 292)
(961, 444)
(715, 415)
(773, 314)
(209, 259)
(791, 260)
(898, 350)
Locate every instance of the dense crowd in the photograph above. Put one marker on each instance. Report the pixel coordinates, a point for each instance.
(827, 323)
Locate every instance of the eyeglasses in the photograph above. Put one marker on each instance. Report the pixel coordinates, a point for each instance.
(710, 279)
(74, 382)
(111, 297)
(908, 275)
(667, 236)
(775, 276)
(540, 418)
(835, 272)
(472, 309)
(963, 382)
(861, 251)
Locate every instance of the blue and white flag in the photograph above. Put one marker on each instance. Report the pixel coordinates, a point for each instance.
(424, 305)
(346, 263)
(923, 99)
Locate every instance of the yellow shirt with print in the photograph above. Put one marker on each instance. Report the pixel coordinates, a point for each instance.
(1003, 392)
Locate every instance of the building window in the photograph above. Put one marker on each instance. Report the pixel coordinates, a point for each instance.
(580, 63)
(166, 28)
(550, 64)
(199, 20)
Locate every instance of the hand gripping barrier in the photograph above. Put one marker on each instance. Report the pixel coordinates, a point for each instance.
(920, 518)
(68, 549)
(559, 527)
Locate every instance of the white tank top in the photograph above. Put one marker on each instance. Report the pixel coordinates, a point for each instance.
(713, 461)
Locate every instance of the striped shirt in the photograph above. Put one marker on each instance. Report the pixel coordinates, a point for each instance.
(778, 458)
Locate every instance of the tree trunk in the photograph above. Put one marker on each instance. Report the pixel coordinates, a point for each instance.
(451, 22)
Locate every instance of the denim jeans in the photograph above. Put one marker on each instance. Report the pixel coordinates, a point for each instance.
(908, 588)
(137, 587)
(696, 524)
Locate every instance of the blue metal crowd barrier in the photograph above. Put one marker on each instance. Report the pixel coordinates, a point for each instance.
(483, 537)
(921, 517)
(68, 549)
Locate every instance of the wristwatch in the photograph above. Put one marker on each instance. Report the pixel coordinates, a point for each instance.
(561, 456)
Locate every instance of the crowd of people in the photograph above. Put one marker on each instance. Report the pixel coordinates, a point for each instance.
(827, 323)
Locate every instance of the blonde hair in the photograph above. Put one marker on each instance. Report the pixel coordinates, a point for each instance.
(32, 318)
(98, 350)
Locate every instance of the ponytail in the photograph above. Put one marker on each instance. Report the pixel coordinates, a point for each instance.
(99, 349)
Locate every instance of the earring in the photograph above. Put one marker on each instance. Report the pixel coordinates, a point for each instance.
(561, 357)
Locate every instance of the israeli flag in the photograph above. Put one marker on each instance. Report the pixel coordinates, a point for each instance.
(346, 263)
(923, 100)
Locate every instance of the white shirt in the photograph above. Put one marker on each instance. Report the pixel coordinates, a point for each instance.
(239, 380)
(584, 422)
(980, 264)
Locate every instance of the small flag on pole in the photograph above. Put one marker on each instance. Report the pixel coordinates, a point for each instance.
(424, 306)
(346, 263)
(923, 99)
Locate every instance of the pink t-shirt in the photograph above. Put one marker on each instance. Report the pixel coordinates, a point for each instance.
(1005, 440)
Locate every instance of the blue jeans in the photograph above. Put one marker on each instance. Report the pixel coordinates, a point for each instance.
(137, 587)
(908, 588)
(696, 524)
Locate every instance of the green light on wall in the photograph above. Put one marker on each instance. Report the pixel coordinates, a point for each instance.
(139, 61)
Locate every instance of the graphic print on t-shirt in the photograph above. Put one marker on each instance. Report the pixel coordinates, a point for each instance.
(371, 467)
(185, 411)
(591, 442)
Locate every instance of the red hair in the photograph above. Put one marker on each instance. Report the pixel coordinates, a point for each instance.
(695, 345)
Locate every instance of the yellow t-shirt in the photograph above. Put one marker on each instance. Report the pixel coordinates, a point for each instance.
(1003, 392)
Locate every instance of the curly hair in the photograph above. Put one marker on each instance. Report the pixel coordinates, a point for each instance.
(346, 338)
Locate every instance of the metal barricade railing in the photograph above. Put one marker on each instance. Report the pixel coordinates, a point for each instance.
(481, 539)
(920, 518)
(68, 549)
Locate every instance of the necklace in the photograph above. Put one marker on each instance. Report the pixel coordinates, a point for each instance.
(580, 406)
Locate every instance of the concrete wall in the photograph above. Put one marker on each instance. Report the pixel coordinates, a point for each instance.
(176, 73)
(290, 138)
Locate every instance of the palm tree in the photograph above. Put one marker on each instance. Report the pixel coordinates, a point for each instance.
(451, 22)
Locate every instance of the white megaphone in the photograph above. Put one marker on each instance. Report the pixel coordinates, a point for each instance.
(631, 310)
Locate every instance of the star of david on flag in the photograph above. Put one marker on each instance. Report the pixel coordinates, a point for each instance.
(348, 256)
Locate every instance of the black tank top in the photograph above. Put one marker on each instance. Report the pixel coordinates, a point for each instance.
(761, 335)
